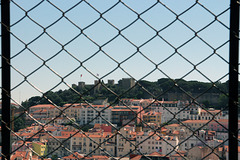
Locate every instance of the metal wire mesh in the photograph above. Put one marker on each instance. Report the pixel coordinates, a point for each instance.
(56, 44)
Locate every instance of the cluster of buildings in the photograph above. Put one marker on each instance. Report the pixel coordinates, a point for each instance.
(135, 129)
(128, 111)
(172, 141)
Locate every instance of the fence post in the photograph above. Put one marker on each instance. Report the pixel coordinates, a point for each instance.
(6, 97)
(233, 79)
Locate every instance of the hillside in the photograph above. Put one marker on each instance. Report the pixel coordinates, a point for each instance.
(178, 89)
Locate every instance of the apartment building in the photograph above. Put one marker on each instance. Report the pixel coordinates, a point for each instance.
(58, 145)
(84, 113)
(175, 110)
(210, 114)
(193, 133)
(145, 103)
(21, 145)
(156, 143)
(125, 115)
(220, 125)
(126, 141)
(91, 114)
(196, 124)
(200, 152)
(40, 107)
(40, 148)
(96, 143)
(152, 117)
(40, 111)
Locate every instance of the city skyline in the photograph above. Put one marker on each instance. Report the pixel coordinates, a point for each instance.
(81, 42)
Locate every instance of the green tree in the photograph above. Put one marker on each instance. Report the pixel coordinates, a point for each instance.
(223, 101)
(206, 103)
(54, 157)
(19, 123)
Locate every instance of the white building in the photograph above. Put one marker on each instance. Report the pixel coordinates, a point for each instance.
(91, 114)
(165, 145)
(83, 113)
(176, 110)
(210, 113)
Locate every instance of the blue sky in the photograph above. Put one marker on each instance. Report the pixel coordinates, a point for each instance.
(79, 47)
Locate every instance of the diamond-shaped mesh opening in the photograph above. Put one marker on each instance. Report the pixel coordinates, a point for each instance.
(119, 79)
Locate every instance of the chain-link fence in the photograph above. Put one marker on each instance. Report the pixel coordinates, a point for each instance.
(119, 79)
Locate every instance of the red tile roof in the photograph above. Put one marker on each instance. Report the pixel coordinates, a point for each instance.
(99, 157)
(42, 106)
(74, 156)
(195, 121)
(138, 157)
(156, 154)
(25, 155)
(151, 113)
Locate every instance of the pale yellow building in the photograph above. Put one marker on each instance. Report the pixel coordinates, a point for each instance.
(152, 117)
(40, 148)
